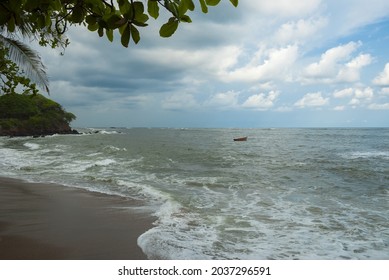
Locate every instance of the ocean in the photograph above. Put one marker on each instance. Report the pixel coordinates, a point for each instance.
(282, 194)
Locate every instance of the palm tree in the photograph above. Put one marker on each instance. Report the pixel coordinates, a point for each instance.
(28, 60)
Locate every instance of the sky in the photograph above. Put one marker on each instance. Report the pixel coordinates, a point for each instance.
(267, 63)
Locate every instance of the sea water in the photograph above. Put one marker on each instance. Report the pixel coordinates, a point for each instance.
(283, 194)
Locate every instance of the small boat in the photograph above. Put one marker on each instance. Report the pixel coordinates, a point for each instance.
(241, 139)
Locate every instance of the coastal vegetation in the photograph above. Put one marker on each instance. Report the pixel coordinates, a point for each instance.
(32, 115)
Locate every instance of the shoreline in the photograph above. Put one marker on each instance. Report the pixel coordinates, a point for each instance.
(40, 221)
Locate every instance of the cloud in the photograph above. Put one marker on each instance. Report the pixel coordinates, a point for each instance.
(283, 8)
(375, 106)
(232, 61)
(335, 65)
(266, 64)
(384, 91)
(357, 96)
(339, 108)
(383, 78)
(312, 100)
(348, 92)
(261, 101)
(223, 100)
(179, 101)
(351, 71)
(347, 16)
(299, 30)
(366, 93)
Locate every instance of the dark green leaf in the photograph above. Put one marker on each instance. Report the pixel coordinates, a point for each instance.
(139, 8)
(93, 27)
(101, 31)
(169, 28)
(212, 2)
(234, 2)
(191, 5)
(11, 24)
(126, 35)
(135, 34)
(204, 6)
(124, 6)
(185, 18)
(90, 19)
(109, 33)
(113, 21)
(153, 8)
(183, 7)
(78, 14)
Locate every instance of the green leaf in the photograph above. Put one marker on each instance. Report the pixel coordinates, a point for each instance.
(139, 8)
(93, 27)
(113, 21)
(90, 19)
(234, 2)
(212, 2)
(169, 28)
(126, 35)
(191, 5)
(101, 31)
(109, 33)
(153, 8)
(183, 7)
(204, 7)
(135, 34)
(186, 18)
(124, 6)
(78, 14)
(11, 24)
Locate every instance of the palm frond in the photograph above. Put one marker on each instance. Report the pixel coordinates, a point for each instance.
(28, 60)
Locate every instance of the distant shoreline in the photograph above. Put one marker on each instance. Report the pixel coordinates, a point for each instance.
(47, 221)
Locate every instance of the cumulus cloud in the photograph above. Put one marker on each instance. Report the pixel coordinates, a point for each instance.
(284, 8)
(350, 72)
(266, 64)
(312, 100)
(223, 100)
(335, 65)
(357, 96)
(261, 101)
(347, 92)
(299, 30)
(383, 78)
(376, 106)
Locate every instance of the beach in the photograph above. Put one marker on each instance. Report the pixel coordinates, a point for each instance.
(53, 222)
(282, 194)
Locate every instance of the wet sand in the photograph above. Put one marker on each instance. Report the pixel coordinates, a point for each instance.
(53, 222)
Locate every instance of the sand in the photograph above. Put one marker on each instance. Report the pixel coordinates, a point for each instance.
(53, 222)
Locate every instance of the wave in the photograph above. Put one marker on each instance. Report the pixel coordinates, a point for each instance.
(366, 155)
(32, 146)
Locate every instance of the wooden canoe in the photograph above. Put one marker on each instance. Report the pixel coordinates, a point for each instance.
(241, 139)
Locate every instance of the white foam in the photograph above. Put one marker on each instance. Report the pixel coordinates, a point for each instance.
(105, 162)
(115, 149)
(108, 132)
(366, 154)
(31, 146)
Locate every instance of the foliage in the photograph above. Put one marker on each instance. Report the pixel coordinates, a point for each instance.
(13, 79)
(47, 20)
(32, 115)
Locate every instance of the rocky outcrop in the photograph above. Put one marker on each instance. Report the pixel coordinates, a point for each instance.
(33, 115)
